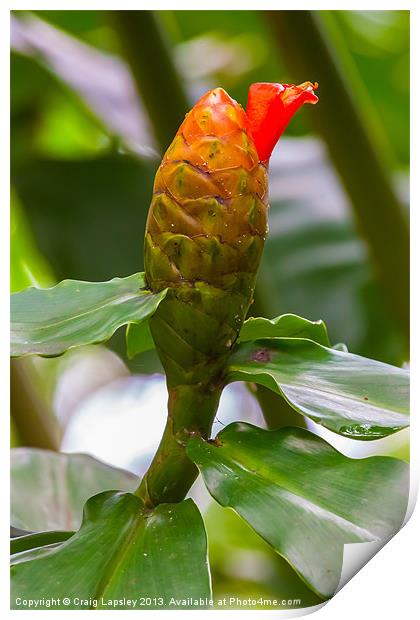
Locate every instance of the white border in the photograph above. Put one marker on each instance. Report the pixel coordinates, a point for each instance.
(388, 585)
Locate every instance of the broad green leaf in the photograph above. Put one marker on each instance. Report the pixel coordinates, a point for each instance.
(74, 313)
(37, 540)
(302, 496)
(122, 551)
(49, 489)
(276, 410)
(138, 339)
(284, 326)
(351, 395)
(35, 552)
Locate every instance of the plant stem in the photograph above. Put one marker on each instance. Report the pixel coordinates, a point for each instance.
(191, 410)
(276, 410)
(347, 133)
(35, 423)
(158, 83)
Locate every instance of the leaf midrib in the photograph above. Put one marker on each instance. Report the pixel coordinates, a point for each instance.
(117, 558)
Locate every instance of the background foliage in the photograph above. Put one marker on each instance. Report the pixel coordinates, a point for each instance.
(84, 152)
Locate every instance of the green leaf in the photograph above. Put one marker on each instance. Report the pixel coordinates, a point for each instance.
(122, 551)
(138, 339)
(351, 395)
(284, 326)
(34, 541)
(36, 552)
(74, 313)
(242, 563)
(302, 496)
(49, 489)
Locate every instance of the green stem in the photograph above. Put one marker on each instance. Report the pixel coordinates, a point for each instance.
(35, 423)
(276, 410)
(191, 410)
(308, 50)
(151, 61)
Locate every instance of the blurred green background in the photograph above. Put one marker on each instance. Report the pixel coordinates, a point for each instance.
(96, 96)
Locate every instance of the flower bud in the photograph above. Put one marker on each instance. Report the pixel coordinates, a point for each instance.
(208, 222)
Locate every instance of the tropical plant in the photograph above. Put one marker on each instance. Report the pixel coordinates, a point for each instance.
(204, 239)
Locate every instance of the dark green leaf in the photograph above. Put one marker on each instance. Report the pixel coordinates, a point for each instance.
(74, 313)
(302, 496)
(49, 489)
(284, 326)
(351, 395)
(122, 551)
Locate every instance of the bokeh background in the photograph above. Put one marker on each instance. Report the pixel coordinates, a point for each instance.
(95, 98)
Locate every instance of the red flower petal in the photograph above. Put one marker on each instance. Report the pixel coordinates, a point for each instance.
(270, 108)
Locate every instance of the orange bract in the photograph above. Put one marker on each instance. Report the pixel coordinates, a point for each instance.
(215, 114)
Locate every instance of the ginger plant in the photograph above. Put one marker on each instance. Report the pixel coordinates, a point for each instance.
(204, 239)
